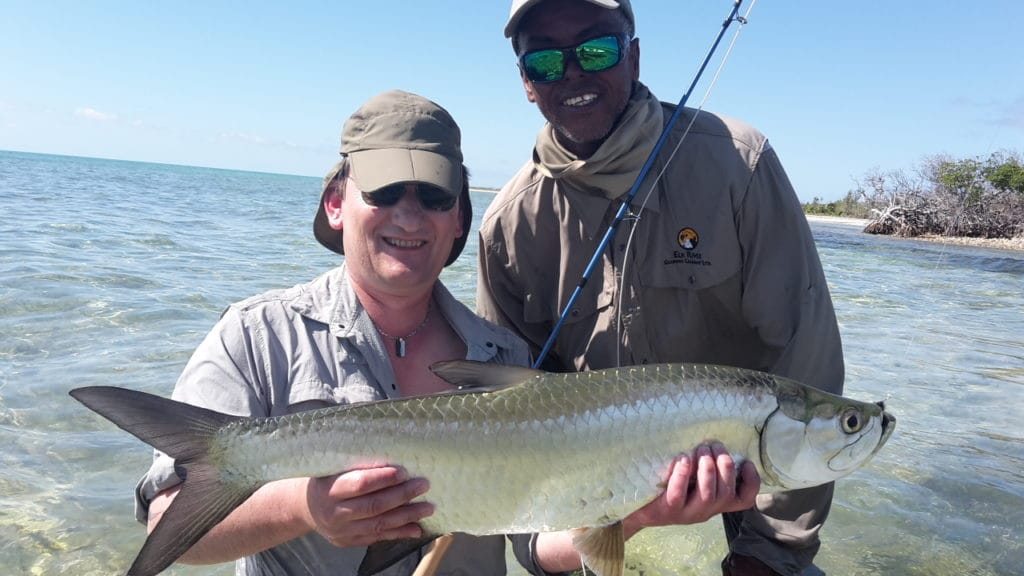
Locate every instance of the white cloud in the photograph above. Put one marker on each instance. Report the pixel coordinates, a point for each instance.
(242, 137)
(93, 114)
(1004, 112)
(1013, 113)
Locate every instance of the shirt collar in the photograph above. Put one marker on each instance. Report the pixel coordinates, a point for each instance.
(331, 299)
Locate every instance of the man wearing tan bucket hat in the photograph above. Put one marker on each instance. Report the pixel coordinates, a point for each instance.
(717, 265)
(397, 206)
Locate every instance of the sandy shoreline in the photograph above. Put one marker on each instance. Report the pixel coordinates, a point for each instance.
(1015, 244)
(861, 222)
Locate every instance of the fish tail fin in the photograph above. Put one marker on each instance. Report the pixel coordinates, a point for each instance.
(185, 433)
(204, 500)
(180, 430)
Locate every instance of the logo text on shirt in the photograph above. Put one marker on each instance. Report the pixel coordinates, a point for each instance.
(687, 239)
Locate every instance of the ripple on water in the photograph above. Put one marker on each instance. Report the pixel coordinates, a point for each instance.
(122, 296)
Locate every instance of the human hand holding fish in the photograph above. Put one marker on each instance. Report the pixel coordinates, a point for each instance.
(356, 508)
(362, 507)
(698, 487)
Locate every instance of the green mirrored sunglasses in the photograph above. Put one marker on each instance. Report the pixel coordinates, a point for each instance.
(594, 55)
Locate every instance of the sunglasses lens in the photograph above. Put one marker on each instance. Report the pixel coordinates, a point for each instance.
(384, 197)
(435, 199)
(598, 54)
(593, 55)
(431, 197)
(544, 65)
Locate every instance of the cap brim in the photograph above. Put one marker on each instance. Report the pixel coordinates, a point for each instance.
(375, 169)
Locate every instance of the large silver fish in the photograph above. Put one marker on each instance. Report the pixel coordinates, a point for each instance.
(545, 451)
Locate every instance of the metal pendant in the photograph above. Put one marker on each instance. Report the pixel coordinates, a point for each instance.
(400, 347)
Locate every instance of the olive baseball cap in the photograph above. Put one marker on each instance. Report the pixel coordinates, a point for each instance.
(521, 7)
(398, 137)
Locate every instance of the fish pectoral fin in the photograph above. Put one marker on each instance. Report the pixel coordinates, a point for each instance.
(602, 548)
(384, 554)
(482, 376)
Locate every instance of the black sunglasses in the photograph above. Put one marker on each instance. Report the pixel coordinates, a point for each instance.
(594, 55)
(431, 197)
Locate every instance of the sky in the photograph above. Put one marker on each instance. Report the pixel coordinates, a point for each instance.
(839, 88)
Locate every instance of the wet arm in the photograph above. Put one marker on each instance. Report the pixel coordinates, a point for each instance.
(275, 514)
(697, 489)
(353, 509)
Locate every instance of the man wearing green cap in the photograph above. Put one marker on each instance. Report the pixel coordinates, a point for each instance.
(717, 265)
(397, 206)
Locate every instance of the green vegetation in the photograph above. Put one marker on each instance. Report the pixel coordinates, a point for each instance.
(849, 207)
(972, 197)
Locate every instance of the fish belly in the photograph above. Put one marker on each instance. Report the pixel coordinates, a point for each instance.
(562, 452)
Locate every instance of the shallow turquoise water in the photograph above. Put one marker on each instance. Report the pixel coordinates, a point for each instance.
(111, 272)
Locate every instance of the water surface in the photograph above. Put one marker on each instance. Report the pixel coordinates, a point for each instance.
(111, 272)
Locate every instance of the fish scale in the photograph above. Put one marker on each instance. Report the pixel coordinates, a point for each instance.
(612, 435)
(519, 451)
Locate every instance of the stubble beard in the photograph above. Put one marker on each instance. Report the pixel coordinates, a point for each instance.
(588, 136)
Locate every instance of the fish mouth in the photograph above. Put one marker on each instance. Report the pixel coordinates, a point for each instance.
(888, 426)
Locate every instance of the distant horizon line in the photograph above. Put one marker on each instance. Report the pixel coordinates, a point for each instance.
(106, 159)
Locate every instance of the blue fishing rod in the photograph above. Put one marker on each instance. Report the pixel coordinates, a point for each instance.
(624, 207)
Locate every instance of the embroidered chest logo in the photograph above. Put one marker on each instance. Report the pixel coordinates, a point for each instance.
(687, 239)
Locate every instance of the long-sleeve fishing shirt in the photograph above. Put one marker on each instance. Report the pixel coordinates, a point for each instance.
(719, 267)
(308, 347)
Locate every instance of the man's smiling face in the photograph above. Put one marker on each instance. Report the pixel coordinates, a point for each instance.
(582, 106)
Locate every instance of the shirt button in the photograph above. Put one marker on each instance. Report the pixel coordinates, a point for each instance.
(490, 344)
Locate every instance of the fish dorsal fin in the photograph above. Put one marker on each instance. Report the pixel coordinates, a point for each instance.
(482, 376)
(601, 548)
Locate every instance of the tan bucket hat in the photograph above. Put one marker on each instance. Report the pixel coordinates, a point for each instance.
(397, 137)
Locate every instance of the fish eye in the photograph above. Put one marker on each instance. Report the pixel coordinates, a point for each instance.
(852, 421)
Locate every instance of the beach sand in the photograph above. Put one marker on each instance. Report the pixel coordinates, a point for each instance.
(1016, 244)
(861, 222)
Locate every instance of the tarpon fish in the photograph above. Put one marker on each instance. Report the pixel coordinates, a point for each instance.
(544, 451)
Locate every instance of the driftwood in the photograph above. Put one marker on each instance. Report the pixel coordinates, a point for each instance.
(897, 220)
(949, 198)
(909, 220)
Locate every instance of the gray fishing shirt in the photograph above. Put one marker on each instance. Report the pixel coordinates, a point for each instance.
(721, 268)
(307, 347)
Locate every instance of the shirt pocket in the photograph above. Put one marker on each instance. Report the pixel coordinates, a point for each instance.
(356, 383)
(711, 263)
(313, 393)
(309, 394)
